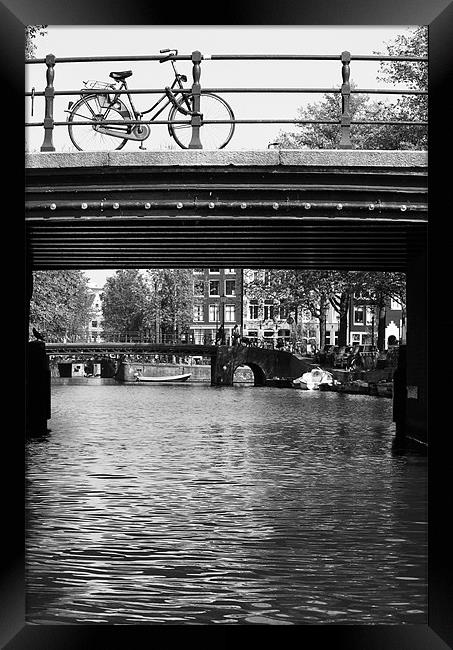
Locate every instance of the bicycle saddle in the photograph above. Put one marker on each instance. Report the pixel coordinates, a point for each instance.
(118, 76)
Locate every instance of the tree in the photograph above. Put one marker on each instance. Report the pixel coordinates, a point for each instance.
(60, 304)
(382, 286)
(170, 308)
(126, 303)
(411, 75)
(31, 32)
(315, 290)
(296, 290)
(345, 284)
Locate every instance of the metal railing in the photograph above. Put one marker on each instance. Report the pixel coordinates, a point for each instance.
(130, 336)
(344, 120)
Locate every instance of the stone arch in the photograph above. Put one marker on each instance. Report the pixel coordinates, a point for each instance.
(259, 376)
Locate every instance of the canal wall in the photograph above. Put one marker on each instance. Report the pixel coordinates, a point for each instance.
(198, 373)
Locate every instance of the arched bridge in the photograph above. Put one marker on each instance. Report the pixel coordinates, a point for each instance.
(265, 364)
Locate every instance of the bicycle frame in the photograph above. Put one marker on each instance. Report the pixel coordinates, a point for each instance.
(138, 132)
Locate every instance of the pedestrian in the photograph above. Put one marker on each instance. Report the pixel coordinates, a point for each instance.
(236, 334)
(220, 336)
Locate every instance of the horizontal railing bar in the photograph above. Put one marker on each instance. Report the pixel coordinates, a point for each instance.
(266, 121)
(102, 59)
(151, 91)
(232, 57)
(313, 57)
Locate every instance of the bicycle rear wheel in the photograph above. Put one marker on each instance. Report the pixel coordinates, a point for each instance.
(85, 137)
(212, 136)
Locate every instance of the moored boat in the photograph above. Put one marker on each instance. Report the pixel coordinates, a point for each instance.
(314, 379)
(164, 379)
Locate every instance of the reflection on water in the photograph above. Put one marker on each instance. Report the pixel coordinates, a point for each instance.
(194, 504)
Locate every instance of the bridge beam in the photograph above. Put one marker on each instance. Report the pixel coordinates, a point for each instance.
(278, 209)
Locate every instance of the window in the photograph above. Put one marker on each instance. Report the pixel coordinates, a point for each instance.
(282, 313)
(214, 313)
(230, 271)
(268, 334)
(369, 316)
(356, 338)
(394, 304)
(214, 287)
(198, 336)
(198, 313)
(198, 271)
(198, 288)
(94, 323)
(230, 313)
(267, 277)
(214, 270)
(252, 333)
(306, 315)
(230, 287)
(359, 315)
(253, 310)
(268, 310)
(362, 295)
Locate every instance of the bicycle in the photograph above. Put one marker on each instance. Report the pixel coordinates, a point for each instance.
(97, 108)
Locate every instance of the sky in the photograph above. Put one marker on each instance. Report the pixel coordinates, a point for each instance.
(71, 41)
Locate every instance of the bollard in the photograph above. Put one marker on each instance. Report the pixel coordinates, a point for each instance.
(345, 135)
(195, 142)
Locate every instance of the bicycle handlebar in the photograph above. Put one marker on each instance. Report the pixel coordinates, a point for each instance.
(167, 58)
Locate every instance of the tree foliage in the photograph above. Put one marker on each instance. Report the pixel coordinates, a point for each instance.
(31, 32)
(61, 304)
(301, 289)
(170, 299)
(125, 304)
(410, 75)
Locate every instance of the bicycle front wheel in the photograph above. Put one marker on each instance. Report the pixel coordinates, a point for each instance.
(85, 137)
(212, 136)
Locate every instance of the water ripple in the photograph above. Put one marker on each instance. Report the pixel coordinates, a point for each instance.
(186, 504)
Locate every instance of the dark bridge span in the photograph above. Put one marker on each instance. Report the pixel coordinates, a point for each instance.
(274, 209)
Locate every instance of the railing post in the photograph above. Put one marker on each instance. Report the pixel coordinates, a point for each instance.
(49, 94)
(345, 135)
(195, 142)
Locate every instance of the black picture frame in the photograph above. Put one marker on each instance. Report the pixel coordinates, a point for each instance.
(438, 634)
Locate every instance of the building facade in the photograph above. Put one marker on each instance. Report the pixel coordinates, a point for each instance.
(217, 300)
(95, 327)
(363, 321)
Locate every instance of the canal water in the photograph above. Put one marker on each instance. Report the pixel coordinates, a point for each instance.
(192, 504)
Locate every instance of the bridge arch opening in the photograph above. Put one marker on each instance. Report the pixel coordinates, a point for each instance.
(242, 374)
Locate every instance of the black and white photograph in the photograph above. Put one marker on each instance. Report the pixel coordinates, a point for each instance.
(226, 408)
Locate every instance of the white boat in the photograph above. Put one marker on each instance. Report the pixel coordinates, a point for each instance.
(165, 379)
(313, 379)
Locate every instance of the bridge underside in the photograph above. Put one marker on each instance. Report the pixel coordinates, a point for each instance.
(271, 209)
